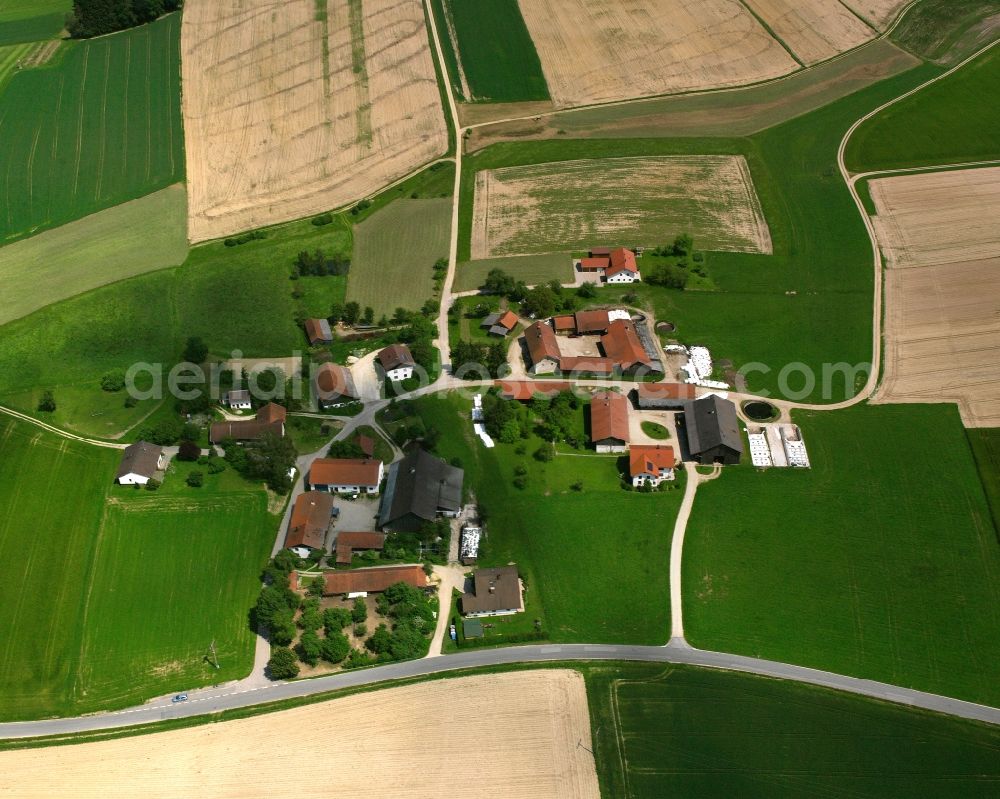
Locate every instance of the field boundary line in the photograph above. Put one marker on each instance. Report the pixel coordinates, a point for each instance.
(59, 432)
(771, 32)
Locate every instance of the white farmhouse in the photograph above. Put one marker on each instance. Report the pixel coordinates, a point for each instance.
(140, 461)
(397, 362)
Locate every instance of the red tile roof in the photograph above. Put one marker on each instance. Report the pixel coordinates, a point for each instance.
(395, 356)
(590, 364)
(685, 391)
(595, 251)
(372, 580)
(508, 319)
(315, 332)
(310, 520)
(650, 460)
(271, 413)
(591, 321)
(622, 260)
(541, 342)
(564, 324)
(344, 472)
(594, 264)
(526, 389)
(347, 542)
(621, 344)
(609, 417)
(333, 380)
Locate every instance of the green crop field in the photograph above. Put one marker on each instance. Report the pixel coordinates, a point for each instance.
(946, 123)
(946, 30)
(118, 592)
(32, 20)
(394, 254)
(682, 731)
(173, 573)
(235, 298)
(110, 245)
(50, 515)
(595, 561)
(986, 448)
(102, 125)
(532, 269)
(881, 561)
(493, 49)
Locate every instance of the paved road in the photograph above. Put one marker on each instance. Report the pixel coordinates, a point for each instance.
(675, 652)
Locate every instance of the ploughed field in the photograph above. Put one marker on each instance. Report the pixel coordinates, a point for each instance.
(575, 205)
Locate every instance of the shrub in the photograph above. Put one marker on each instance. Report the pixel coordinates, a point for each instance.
(544, 453)
(195, 480)
(282, 665)
(47, 403)
(309, 648)
(188, 451)
(216, 465)
(322, 219)
(131, 402)
(521, 482)
(113, 380)
(152, 484)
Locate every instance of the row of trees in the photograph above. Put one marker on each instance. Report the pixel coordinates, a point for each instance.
(492, 356)
(320, 265)
(98, 17)
(541, 301)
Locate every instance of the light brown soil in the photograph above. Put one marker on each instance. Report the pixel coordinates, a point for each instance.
(573, 205)
(514, 735)
(942, 317)
(814, 30)
(938, 217)
(879, 12)
(602, 50)
(480, 113)
(279, 127)
(943, 338)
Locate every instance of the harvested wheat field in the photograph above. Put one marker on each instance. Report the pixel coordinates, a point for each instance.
(521, 730)
(878, 12)
(938, 217)
(568, 205)
(291, 109)
(814, 30)
(942, 320)
(595, 51)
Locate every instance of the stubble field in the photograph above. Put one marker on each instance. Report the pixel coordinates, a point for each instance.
(526, 727)
(879, 12)
(942, 245)
(938, 217)
(296, 112)
(814, 30)
(670, 46)
(574, 205)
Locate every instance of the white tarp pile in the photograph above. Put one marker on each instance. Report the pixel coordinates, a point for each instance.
(699, 369)
(760, 452)
(477, 425)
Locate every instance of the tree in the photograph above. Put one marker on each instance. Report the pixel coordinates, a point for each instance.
(540, 302)
(188, 451)
(317, 586)
(346, 448)
(335, 620)
(309, 648)
(352, 311)
(336, 312)
(359, 612)
(282, 665)
(498, 282)
(195, 351)
(195, 479)
(47, 404)
(587, 291)
(334, 648)
(683, 244)
(369, 315)
(113, 380)
(380, 640)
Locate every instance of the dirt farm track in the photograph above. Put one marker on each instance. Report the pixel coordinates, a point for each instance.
(516, 732)
(290, 109)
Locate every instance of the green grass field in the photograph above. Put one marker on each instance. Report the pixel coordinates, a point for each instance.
(494, 48)
(118, 592)
(173, 573)
(532, 269)
(32, 20)
(99, 127)
(946, 30)
(394, 254)
(232, 297)
(881, 561)
(111, 245)
(595, 561)
(946, 123)
(50, 516)
(682, 731)
(986, 449)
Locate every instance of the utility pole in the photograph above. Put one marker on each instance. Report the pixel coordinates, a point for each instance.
(215, 658)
